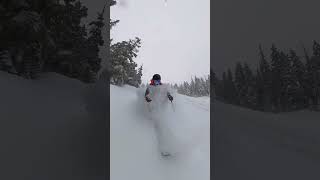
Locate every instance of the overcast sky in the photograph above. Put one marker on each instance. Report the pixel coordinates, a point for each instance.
(239, 26)
(175, 36)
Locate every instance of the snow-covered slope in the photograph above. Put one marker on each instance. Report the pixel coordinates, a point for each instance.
(47, 128)
(134, 148)
(253, 145)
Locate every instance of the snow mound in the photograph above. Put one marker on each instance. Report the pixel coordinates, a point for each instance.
(259, 145)
(47, 129)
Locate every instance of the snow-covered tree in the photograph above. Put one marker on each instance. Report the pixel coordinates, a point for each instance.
(123, 67)
(196, 88)
(48, 36)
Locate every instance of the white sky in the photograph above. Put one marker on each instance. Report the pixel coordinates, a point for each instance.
(175, 36)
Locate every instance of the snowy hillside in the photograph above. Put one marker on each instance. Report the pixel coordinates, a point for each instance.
(134, 148)
(253, 145)
(48, 130)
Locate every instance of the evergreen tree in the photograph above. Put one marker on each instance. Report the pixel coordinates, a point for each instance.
(122, 65)
(69, 55)
(186, 88)
(239, 84)
(214, 82)
(225, 87)
(316, 49)
(175, 86)
(260, 92)
(288, 82)
(92, 48)
(230, 89)
(139, 75)
(6, 62)
(297, 68)
(314, 74)
(263, 81)
(249, 87)
(48, 35)
(276, 78)
(285, 81)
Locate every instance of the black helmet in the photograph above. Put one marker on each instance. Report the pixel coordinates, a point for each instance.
(156, 77)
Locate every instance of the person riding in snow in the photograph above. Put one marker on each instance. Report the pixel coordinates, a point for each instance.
(155, 81)
(158, 93)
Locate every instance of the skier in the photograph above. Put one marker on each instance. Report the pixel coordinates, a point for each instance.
(155, 81)
(155, 90)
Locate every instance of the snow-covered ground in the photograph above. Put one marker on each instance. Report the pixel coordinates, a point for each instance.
(51, 128)
(253, 145)
(183, 130)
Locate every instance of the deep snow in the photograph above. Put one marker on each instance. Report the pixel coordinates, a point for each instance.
(51, 128)
(253, 145)
(135, 133)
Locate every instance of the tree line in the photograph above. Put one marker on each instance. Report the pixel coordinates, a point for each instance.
(283, 82)
(48, 36)
(197, 87)
(40, 36)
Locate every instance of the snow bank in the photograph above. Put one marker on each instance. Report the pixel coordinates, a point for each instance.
(257, 145)
(47, 129)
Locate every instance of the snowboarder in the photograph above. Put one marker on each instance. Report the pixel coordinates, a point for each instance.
(155, 81)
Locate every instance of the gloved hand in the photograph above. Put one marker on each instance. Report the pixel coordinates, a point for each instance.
(148, 99)
(170, 97)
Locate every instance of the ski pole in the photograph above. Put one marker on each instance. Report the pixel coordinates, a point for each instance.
(173, 107)
(149, 108)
